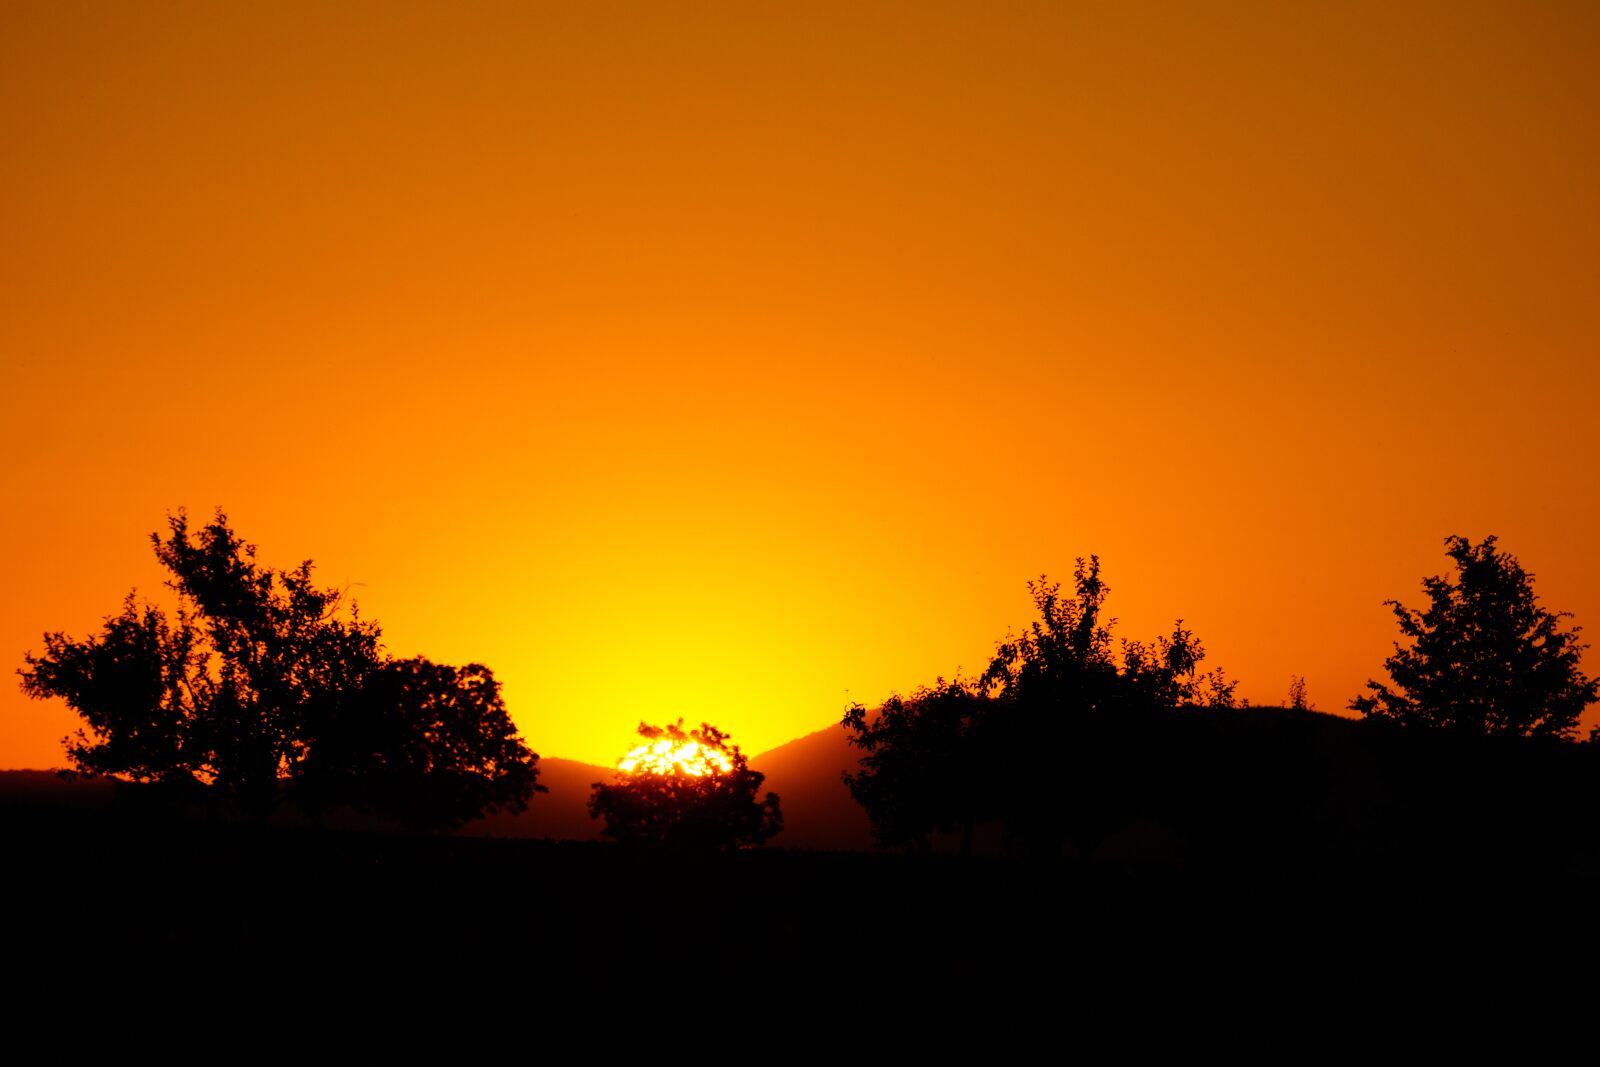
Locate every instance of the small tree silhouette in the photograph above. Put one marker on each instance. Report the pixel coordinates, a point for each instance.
(1484, 657)
(691, 791)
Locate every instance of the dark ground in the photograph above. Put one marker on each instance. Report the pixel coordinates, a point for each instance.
(151, 942)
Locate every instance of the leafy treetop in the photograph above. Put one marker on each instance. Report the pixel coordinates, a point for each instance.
(1035, 740)
(1484, 657)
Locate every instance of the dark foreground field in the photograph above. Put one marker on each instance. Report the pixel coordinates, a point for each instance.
(138, 942)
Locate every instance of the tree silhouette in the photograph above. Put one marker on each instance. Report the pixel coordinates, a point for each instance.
(690, 791)
(261, 683)
(428, 744)
(925, 767)
(1064, 665)
(1073, 712)
(1047, 739)
(1484, 657)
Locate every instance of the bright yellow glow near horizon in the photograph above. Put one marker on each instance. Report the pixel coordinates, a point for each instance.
(733, 363)
(669, 757)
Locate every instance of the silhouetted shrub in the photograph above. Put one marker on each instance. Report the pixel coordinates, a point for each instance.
(689, 790)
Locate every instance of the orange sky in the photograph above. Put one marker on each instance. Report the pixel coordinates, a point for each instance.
(717, 361)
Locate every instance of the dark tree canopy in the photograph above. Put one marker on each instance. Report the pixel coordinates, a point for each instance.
(1483, 657)
(1065, 665)
(422, 742)
(261, 683)
(704, 803)
(1039, 740)
(925, 766)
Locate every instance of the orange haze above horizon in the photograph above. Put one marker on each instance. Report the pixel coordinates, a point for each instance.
(731, 363)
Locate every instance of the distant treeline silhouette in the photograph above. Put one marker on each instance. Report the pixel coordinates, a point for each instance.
(1067, 738)
(261, 688)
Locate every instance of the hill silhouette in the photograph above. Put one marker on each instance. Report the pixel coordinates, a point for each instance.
(30, 797)
(818, 811)
(1264, 787)
(29, 792)
(1219, 766)
(560, 814)
(1265, 853)
(1244, 789)
(422, 926)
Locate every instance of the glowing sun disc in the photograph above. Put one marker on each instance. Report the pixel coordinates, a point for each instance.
(666, 756)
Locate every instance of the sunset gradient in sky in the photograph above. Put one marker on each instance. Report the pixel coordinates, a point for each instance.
(736, 361)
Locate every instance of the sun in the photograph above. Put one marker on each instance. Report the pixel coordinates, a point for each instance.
(668, 755)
